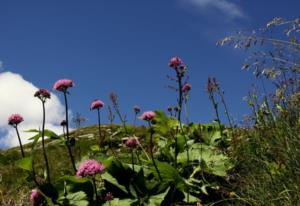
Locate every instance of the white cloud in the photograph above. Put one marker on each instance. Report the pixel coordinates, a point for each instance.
(228, 8)
(17, 97)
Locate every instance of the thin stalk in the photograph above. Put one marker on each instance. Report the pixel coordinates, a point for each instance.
(20, 142)
(67, 130)
(95, 190)
(215, 105)
(43, 144)
(151, 151)
(221, 93)
(180, 99)
(132, 160)
(99, 128)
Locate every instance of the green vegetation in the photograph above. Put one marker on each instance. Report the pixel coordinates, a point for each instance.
(177, 163)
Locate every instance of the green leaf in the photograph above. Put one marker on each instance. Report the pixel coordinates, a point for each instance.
(156, 200)
(169, 175)
(25, 163)
(212, 160)
(118, 202)
(74, 199)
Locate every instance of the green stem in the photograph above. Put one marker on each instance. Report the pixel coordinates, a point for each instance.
(151, 151)
(43, 144)
(99, 128)
(20, 142)
(67, 135)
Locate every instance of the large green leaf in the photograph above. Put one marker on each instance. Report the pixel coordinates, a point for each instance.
(169, 175)
(215, 161)
(25, 163)
(74, 199)
(76, 184)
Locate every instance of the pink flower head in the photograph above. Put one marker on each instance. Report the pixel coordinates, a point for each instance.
(132, 142)
(42, 94)
(109, 196)
(136, 109)
(15, 119)
(147, 116)
(63, 84)
(90, 168)
(175, 62)
(36, 197)
(97, 104)
(186, 88)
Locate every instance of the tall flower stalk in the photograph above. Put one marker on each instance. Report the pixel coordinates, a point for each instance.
(149, 116)
(132, 143)
(62, 85)
(136, 110)
(14, 120)
(212, 87)
(180, 69)
(43, 95)
(114, 99)
(98, 104)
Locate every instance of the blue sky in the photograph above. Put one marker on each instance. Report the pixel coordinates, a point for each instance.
(125, 46)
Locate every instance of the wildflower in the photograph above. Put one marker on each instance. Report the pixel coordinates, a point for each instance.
(97, 104)
(186, 88)
(132, 142)
(136, 109)
(114, 98)
(36, 198)
(175, 62)
(147, 116)
(109, 196)
(212, 85)
(15, 119)
(176, 109)
(63, 84)
(63, 123)
(42, 94)
(90, 168)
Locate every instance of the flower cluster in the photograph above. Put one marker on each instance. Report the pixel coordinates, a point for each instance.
(42, 94)
(90, 168)
(15, 119)
(63, 84)
(186, 88)
(132, 142)
(109, 196)
(147, 116)
(212, 85)
(36, 198)
(175, 62)
(97, 104)
(136, 109)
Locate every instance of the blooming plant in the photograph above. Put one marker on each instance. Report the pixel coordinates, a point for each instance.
(97, 105)
(63, 85)
(14, 120)
(43, 95)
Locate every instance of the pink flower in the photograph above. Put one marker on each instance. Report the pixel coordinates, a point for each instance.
(109, 196)
(136, 109)
(186, 88)
(132, 142)
(42, 94)
(97, 104)
(36, 198)
(15, 119)
(175, 62)
(147, 116)
(63, 84)
(90, 168)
